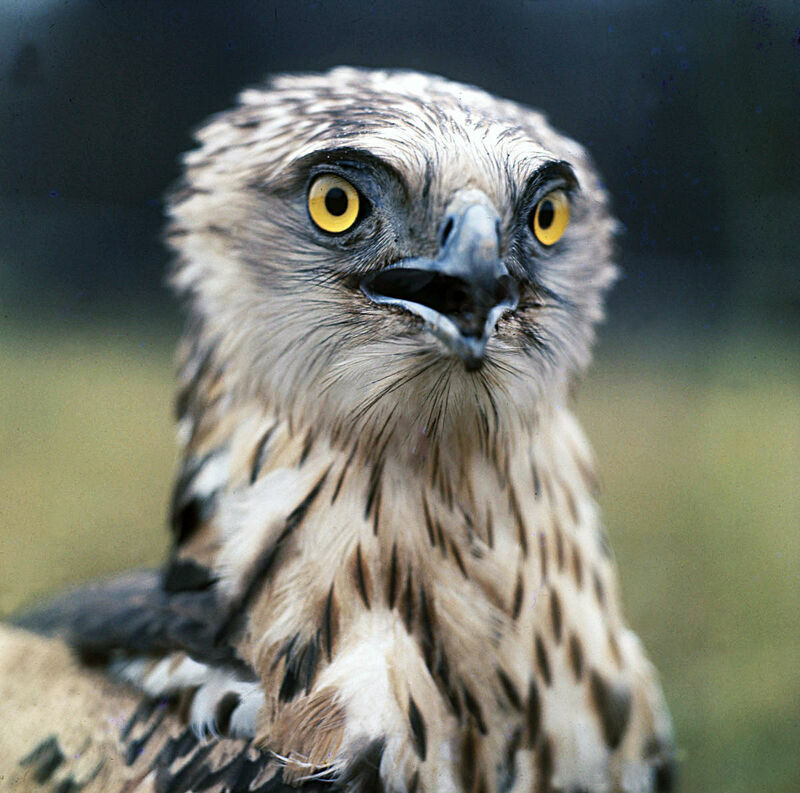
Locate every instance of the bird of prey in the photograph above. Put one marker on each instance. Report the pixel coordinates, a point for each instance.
(388, 570)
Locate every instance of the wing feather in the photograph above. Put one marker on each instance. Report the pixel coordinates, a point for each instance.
(135, 613)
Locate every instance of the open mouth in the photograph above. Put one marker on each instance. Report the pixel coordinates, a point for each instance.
(462, 312)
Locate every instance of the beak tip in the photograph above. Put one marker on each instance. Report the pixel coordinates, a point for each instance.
(472, 352)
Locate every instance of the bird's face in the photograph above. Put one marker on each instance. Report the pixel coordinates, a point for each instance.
(393, 247)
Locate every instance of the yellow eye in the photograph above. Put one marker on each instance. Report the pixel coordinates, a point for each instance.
(333, 203)
(550, 218)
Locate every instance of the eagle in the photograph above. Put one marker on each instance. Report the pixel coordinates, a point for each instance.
(388, 569)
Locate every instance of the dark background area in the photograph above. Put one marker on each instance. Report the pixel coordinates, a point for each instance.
(692, 113)
(691, 110)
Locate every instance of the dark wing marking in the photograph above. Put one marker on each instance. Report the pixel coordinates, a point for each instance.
(136, 614)
(227, 766)
(44, 759)
(186, 575)
(184, 764)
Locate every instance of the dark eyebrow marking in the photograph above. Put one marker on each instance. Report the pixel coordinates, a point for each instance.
(342, 159)
(553, 171)
(426, 187)
(347, 156)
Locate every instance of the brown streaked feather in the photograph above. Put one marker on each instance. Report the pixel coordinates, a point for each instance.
(308, 733)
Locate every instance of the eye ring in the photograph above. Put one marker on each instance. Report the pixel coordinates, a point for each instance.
(550, 218)
(333, 203)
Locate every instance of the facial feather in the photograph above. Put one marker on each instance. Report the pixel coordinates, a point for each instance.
(278, 304)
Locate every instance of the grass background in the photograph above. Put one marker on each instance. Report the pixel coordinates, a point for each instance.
(698, 449)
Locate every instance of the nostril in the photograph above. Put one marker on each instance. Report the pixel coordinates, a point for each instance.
(447, 228)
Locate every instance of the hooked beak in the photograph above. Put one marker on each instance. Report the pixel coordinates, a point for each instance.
(462, 293)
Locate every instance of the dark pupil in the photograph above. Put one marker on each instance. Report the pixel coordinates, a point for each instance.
(546, 214)
(336, 201)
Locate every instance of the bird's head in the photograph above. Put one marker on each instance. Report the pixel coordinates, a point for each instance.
(391, 248)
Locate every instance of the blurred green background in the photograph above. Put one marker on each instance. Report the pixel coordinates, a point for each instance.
(692, 112)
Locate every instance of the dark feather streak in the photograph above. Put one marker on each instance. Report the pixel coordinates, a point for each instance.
(300, 663)
(509, 689)
(44, 759)
(429, 522)
(189, 511)
(599, 590)
(192, 514)
(258, 454)
(542, 662)
(426, 622)
(376, 514)
(457, 556)
(508, 770)
(144, 710)
(392, 592)
(361, 576)
(307, 444)
(613, 704)
(571, 504)
(577, 566)
(544, 765)
(407, 602)
(555, 614)
(328, 619)
(418, 731)
(343, 472)
(443, 674)
(543, 555)
(576, 656)
(177, 746)
(537, 487)
(474, 710)
(136, 747)
(519, 591)
(468, 760)
(533, 713)
(374, 487)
